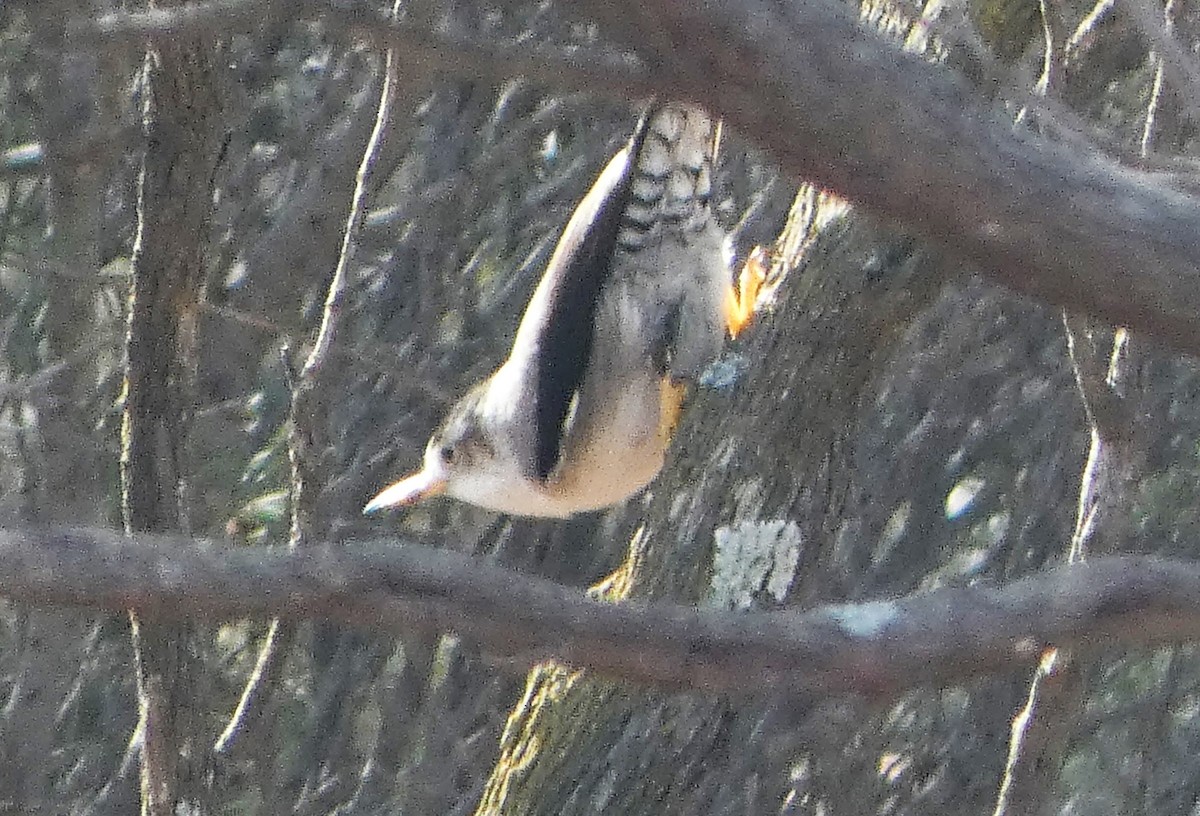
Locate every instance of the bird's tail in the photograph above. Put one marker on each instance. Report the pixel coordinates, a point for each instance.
(671, 189)
(671, 250)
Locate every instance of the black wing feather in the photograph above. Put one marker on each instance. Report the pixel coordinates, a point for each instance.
(566, 345)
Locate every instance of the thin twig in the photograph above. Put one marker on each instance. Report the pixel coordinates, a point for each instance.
(1156, 89)
(1157, 26)
(268, 665)
(337, 286)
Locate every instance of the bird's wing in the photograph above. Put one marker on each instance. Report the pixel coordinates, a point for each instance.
(554, 341)
(660, 315)
(636, 281)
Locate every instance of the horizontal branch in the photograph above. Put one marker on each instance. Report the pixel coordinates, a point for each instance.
(878, 649)
(433, 52)
(213, 16)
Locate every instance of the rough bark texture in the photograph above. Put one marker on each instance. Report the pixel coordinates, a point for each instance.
(185, 138)
(772, 446)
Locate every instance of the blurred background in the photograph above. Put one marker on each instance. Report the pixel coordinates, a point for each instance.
(965, 458)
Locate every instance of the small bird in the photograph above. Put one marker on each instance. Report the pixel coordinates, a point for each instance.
(633, 305)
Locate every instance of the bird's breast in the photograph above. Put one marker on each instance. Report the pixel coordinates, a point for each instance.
(614, 448)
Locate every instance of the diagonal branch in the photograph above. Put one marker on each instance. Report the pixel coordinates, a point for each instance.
(878, 649)
(907, 141)
(836, 105)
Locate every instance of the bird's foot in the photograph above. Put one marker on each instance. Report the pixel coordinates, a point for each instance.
(742, 297)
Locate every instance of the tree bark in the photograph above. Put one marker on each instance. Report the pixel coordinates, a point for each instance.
(185, 137)
(764, 459)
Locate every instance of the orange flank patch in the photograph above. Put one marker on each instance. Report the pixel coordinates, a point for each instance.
(672, 393)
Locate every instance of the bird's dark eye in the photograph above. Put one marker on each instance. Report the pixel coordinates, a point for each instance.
(449, 454)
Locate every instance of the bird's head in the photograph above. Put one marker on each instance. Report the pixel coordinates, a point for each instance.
(467, 459)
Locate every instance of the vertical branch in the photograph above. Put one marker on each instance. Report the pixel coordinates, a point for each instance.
(183, 126)
(1156, 89)
(78, 128)
(307, 396)
(306, 418)
(1051, 50)
(56, 475)
(1042, 728)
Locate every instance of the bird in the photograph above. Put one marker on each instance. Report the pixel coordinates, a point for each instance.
(635, 301)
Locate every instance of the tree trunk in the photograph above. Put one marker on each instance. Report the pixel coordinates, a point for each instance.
(760, 464)
(185, 138)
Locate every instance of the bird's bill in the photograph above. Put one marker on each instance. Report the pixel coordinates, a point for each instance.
(422, 485)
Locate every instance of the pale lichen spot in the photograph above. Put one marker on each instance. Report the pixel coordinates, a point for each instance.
(753, 558)
(865, 619)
